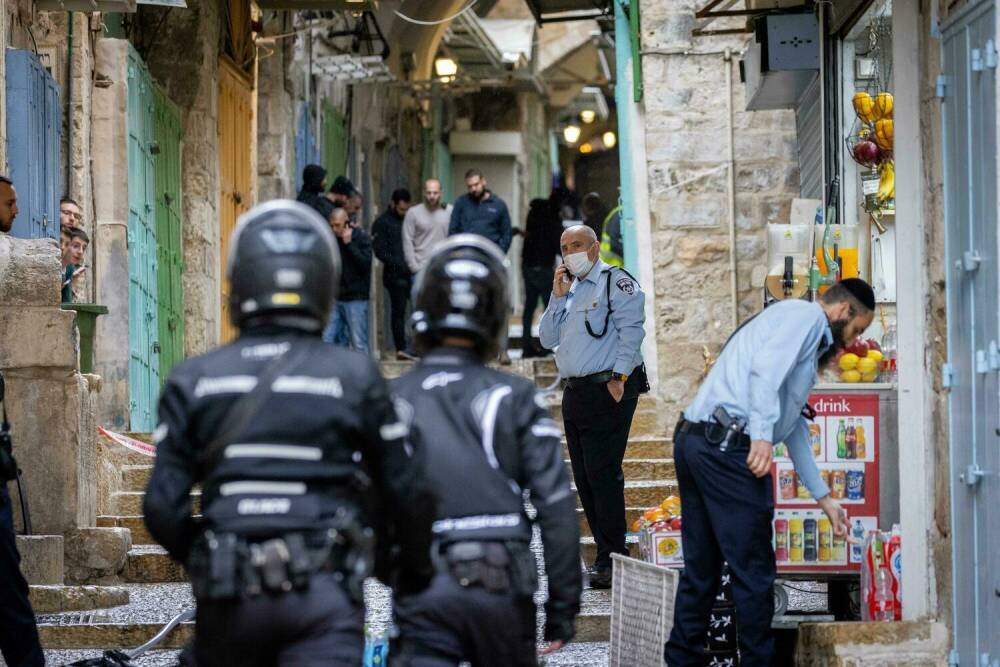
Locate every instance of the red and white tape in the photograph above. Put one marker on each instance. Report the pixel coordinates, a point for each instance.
(129, 443)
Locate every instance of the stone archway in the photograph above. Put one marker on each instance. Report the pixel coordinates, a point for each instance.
(421, 41)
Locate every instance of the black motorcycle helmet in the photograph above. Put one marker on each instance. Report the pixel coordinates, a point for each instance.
(463, 292)
(283, 267)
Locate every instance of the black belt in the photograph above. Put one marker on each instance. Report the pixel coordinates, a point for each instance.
(701, 429)
(596, 378)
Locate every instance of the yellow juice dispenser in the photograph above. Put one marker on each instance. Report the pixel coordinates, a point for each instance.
(788, 252)
(842, 245)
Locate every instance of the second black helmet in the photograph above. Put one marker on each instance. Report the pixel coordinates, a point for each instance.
(462, 291)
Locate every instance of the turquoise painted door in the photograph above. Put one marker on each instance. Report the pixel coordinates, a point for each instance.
(169, 252)
(144, 365)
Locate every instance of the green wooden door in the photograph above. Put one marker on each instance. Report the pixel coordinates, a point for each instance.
(334, 143)
(169, 254)
(144, 365)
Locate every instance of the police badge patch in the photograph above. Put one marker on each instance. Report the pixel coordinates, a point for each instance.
(626, 286)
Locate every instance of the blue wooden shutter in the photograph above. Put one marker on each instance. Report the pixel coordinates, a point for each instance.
(34, 135)
(306, 149)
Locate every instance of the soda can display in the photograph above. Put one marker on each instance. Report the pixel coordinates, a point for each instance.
(824, 474)
(816, 440)
(781, 540)
(824, 527)
(795, 538)
(855, 484)
(809, 540)
(786, 484)
(838, 484)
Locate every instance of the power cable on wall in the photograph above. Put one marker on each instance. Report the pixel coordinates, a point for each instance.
(403, 16)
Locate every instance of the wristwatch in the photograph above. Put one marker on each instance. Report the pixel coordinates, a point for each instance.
(619, 377)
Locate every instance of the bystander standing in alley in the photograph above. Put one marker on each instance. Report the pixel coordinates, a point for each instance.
(481, 212)
(8, 204)
(70, 213)
(594, 212)
(425, 226)
(538, 264)
(348, 324)
(313, 184)
(387, 242)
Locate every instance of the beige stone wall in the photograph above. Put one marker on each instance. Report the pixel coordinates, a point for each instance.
(50, 405)
(686, 137)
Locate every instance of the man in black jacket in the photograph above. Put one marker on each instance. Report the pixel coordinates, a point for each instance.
(348, 325)
(296, 446)
(538, 265)
(313, 184)
(488, 438)
(387, 241)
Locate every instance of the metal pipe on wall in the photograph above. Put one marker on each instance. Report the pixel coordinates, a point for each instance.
(69, 101)
(727, 59)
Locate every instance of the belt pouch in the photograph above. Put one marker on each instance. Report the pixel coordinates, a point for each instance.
(300, 563)
(271, 558)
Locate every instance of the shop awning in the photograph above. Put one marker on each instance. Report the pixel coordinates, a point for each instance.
(725, 17)
(551, 11)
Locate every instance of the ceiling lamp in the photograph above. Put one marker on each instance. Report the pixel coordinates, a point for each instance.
(609, 139)
(586, 148)
(588, 116)
(571, 133)
(445, 68)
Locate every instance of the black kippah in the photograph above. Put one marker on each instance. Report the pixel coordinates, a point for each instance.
(861, 291)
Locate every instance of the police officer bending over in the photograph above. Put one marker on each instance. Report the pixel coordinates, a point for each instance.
(488, 439)
(296, 445)
(753, 398)
(595, 316)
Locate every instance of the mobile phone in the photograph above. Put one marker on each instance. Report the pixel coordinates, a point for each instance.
(565, 275)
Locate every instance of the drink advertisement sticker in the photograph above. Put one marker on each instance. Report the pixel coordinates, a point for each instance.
(844, 443)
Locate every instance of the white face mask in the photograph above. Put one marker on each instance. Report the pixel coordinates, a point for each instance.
(579, 264)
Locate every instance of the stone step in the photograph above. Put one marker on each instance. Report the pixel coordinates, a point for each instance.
(129, 503)
(637, 470)
(136, 477)
(109, 450)
(644, 447)
(111, 635)
(646, 493)
(96, 555)
(588, 548)
(42, 558)
(135, 525)
(150, 564)
(59, 599)
(594, 622)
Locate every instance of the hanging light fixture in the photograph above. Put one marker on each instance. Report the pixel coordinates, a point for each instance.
(571, 133)
(586, 148)
(588, 116)
(445, 68)
(609, 139)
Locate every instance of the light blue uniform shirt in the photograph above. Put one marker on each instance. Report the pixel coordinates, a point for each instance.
(765, 374)
(563, 324)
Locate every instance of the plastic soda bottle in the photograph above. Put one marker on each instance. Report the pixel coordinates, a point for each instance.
(796, 537)
(885, 602)
(841, 441)
(859, 435)
(825, 529)
(858, 531)
(851, 440)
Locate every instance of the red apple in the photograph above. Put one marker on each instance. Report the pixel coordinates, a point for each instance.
(858, 347)
(675, 523)
(873, 344)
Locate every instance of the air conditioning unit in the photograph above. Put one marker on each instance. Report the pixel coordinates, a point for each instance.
(781, 60)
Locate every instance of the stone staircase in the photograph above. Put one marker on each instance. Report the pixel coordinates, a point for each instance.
(157, 585)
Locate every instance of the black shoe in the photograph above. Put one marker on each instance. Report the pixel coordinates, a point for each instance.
(600, 577)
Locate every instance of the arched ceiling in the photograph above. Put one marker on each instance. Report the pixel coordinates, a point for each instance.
(421, 41)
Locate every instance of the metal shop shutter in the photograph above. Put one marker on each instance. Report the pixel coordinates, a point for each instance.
(809, 129)
(34, 135)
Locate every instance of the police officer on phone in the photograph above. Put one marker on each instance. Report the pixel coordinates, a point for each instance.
(595, 317)
(488, 439)
(298, 451)
(753, 398)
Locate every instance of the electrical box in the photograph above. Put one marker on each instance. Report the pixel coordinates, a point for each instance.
(781, 60)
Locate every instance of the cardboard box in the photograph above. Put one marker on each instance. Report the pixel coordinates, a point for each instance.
(662, 548)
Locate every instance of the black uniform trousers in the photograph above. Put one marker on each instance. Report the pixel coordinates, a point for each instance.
(537, 287)
(18, 633)
(727, 516)
(399, 288)
(447, 624)
(314, 627)
(597, 431)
